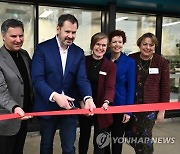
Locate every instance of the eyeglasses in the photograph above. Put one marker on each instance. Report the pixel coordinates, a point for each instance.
(103, 45)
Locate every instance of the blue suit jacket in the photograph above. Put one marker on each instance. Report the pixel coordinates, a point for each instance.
(47, 74)
(125, 80)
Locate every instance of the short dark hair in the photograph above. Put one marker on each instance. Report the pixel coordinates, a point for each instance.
(67, 17)
(117, 33)
(147, 35)
(96, 37)
(11, 23)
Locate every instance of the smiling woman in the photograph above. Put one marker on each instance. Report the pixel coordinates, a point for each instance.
(101, 74)
(152, 85)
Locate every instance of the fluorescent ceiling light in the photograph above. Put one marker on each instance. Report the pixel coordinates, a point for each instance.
(45, 14)
(121, 18)
(172, 23)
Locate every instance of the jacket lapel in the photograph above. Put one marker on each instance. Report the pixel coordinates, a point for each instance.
(10, 62)
(54, 51)
(102, 77)
(27, 63)
(69, 60)
(101, 81)
(122, 63)
(103, 66)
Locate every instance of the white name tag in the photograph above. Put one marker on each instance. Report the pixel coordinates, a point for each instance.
(153, 71)
(102, 73)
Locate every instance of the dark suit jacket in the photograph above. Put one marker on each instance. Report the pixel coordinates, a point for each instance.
(11, 89)
(47, 74)
(106, 88)
(157, 86)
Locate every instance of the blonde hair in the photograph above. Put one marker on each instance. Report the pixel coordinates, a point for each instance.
(96, 37)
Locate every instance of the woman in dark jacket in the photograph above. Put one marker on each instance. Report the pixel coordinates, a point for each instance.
(101, 73)
(152, 86)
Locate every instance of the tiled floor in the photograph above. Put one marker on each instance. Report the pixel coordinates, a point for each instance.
(170, 128)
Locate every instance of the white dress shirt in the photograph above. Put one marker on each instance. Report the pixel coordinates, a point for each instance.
(63, 56)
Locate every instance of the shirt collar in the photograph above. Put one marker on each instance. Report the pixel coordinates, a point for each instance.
(60, 48)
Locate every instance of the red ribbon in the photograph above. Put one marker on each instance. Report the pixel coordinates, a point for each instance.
(111, 110)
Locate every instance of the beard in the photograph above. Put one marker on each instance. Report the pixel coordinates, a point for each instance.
(68, 41)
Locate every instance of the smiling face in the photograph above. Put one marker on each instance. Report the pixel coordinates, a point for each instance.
(13, 38)
(147, 47)
(99, 48)
(66, 34)
(116, 44)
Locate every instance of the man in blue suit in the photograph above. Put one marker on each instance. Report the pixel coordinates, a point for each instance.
(59, 77)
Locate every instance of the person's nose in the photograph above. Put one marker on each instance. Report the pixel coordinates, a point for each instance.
(101, 46)
(70, 35)
(117, 44)
(18, 39)
(148, 46)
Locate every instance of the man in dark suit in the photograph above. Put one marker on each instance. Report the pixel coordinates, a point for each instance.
(59, 76)
(15, 87)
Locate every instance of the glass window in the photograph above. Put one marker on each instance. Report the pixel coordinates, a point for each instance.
(171, 50)
(134, 26)
(25, 14)
(89, 23)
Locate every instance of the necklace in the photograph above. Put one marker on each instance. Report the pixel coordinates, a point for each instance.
(146, 66)
(96, 62)
(147, 63)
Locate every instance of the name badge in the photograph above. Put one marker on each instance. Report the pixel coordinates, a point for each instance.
(153, 71)
(102, 73)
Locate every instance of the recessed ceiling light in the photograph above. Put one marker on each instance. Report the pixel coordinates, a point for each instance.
(121, 18)
(46, 14)
(171, 23)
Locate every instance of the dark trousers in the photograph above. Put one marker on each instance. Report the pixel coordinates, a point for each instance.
(67, 132)
(141, 126)
(14, 144)
(86, 122)
(117, 130)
